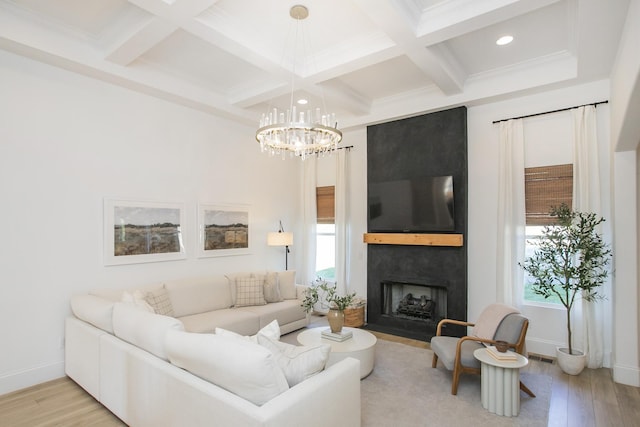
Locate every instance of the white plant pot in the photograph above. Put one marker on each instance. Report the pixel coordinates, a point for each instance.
(571, 364)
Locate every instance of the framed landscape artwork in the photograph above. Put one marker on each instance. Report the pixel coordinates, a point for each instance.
(136, 231)
(223, 230)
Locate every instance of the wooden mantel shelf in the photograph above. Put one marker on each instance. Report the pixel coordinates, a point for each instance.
(413, 239)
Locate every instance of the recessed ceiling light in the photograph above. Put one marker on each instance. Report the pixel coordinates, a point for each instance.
(302, 101)
(504, 40)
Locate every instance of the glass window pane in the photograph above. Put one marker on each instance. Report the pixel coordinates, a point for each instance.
(533, 233)
(326, 251)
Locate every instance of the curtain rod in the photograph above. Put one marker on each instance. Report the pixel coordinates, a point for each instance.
(549, 112)
(348, 148)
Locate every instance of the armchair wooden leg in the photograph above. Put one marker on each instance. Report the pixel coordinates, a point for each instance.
(526, 389)
(434, 361)
(454, 380)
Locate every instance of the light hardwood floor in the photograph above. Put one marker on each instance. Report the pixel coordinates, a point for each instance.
(590, 399)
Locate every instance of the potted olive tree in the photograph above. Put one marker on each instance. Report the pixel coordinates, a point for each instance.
(324, 293)
(570, 262)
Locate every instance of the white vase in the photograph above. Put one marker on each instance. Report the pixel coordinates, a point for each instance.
(571, 364)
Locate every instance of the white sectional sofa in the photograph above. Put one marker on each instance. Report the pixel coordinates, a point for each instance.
(150, 356)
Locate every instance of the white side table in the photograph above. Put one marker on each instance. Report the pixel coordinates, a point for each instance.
(361, 346)
(500, 383)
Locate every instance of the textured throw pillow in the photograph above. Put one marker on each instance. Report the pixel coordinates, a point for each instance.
(272, 288)
(241, 367)
(249, 291)
(272, 330)
(137, 300)
(287, 282)
(160, 302)
(231, 279)
(297, 362)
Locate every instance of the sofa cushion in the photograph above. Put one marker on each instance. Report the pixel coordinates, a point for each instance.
(160, 301)
(236, 320)
(287, 311)
(272, 288)
(95, 310)
(241, 367)
(143, 329)
(297, 362)
(115, 295)
(249, 291)
(287, 282)
(198, 295)
(272, 330)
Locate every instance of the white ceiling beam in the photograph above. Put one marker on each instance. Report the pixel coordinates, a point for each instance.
(441, 67)
(165, 18)
(139, 42)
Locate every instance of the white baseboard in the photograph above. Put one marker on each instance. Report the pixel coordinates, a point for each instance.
(542, 347)
(19, 380)
(629, 375)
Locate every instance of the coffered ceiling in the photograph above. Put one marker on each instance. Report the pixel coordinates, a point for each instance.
(368, 60)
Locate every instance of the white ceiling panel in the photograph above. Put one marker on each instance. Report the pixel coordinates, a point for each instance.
(370, 60)
(191, 58)
(387, 78)
(537, 34)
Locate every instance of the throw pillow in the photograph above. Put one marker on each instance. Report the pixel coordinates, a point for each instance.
(297, 362)
(137, 300)
(160, 302)
(241, 367)
(249, 291)
(231, 279)
(287, 282)
(272, 288)
(272, 330)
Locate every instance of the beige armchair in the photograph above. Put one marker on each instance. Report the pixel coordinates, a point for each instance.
(456, 353)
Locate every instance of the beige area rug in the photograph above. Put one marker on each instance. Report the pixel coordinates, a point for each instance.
(404, 390)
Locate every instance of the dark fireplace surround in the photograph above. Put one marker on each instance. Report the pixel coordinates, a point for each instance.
(435, 276)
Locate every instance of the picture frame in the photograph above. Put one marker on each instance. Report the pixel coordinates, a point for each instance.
(143, 231)
(223, 230)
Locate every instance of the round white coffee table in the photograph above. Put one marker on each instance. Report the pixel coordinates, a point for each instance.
(361, 346)
(500, 382)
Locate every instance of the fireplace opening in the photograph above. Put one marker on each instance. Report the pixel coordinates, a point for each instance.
(414, 301)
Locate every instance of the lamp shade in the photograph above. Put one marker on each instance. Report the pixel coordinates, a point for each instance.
(282, 238)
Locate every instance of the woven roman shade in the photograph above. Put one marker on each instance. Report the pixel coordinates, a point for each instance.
(325, 204)
(544, 187)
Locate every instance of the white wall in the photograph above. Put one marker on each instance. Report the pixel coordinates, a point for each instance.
(625, 84)
(67, 142)
(625, 136)
(626, 360)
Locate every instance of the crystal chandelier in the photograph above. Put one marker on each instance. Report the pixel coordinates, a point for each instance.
(298, 132)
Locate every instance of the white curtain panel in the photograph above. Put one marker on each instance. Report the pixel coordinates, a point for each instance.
(511, 214)
(342, 221)
(309, 219)
(586, 198)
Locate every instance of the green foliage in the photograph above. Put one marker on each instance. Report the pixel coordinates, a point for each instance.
(321, 291)
(571, 260)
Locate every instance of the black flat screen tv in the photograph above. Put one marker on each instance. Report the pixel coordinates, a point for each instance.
(416, 205)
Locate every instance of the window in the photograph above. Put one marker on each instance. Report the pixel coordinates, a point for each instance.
(326, 233)
(544, 187)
